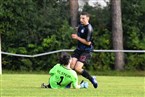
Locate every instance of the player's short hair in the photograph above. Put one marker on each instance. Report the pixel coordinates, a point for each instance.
(64, 58)
(85, 13)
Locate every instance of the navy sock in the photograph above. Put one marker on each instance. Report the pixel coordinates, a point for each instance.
(87, 75)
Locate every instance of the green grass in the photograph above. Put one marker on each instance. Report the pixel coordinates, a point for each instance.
(106, 73)
(28, 85)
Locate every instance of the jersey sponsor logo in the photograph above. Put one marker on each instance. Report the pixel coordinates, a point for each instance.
(64, 74)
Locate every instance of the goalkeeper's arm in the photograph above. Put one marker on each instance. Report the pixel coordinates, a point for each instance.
(82, 85)
(78, 87)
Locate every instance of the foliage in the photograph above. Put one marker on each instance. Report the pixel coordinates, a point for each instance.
(133, 24)
(32, 27)
(38, 26)
(134, 32)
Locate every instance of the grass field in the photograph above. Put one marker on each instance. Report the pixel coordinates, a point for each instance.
(28, 85)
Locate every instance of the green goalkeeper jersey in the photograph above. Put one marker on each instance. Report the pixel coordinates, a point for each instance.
(60, 77)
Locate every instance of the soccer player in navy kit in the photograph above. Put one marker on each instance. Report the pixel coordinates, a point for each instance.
(84, 48)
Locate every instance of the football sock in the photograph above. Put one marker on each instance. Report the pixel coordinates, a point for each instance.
(87, 75)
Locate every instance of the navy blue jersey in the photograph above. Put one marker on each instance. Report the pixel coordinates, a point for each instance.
(85, 32)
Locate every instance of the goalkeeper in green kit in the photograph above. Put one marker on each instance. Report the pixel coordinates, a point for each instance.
(62, 76)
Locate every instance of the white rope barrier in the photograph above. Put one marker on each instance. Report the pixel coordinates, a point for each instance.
(68, 50)
(65, 50)
(125, 51)
(52, 52)
(19, 55)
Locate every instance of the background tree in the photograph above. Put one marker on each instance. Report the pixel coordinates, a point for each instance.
(38, 26)
(117, 33)
(74, 12)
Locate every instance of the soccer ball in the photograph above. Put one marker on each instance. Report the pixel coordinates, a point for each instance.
(84, 85)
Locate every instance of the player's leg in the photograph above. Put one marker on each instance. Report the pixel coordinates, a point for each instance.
(73, 63)
(78, 67)
(84, 73)
(75, 57)
(45, 85)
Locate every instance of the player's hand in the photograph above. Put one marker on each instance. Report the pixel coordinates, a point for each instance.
(74, 36)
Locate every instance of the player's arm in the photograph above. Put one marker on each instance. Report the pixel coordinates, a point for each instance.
(84, 41)
(75, 36)
(78, 87)
(75, 80)
(75, 83)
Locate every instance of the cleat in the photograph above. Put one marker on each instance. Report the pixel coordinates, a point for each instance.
(44, 86)
(95, 85)
(94, 82)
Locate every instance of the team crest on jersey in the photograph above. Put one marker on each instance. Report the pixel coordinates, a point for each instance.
(82, 31)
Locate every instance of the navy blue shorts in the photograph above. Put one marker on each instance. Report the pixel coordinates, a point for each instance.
(82, 56)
